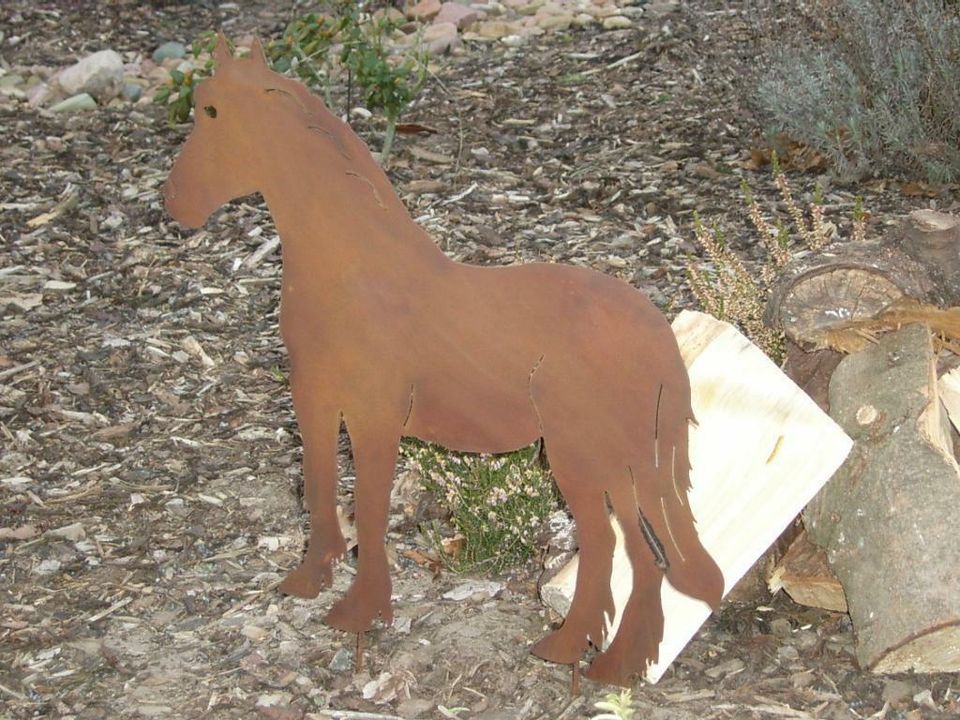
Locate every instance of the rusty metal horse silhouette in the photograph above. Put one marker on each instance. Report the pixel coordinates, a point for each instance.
(387, 334)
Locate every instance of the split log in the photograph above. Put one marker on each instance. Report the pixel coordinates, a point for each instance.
(842, 283)
(805, 575)
(887, 518)
(933, 239)
(949, 387)
(760, 451)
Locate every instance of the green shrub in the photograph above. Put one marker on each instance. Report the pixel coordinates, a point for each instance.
(497, 504)
(304, 48)
(882, 95)
(388, 84)
(177, 94)
(342, 43)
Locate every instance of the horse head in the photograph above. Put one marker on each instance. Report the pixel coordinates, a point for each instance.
(223, 157)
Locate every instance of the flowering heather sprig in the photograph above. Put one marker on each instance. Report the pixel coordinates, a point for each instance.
(859, 232)
(497, 503)
(732, 294)
(780, 180)
(772, 239)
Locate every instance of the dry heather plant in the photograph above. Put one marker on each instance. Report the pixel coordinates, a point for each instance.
(729, 291)
(882, 95)
(498, 504)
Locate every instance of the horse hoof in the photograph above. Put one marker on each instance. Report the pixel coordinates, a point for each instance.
(560, 647)
(305, 582)
(344, 616)
(610, 669)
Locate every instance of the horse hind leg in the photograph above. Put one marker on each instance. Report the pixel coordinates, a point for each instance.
(592, 602)
(637, 641)
(690, 568)
(662, 492)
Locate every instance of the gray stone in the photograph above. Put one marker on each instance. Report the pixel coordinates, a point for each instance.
(438, 38)
(460, 15)
(342, 661)
(74, 103)
(414, 708)
(38, 94)
(99, 75)
(171, 49)
(12, 85)
(132, 92)
(781, 628)
(896, 691)
(788, 654)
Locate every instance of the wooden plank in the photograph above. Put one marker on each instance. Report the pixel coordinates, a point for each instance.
(760, 451)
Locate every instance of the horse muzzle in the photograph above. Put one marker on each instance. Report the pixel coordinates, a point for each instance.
(181, 208)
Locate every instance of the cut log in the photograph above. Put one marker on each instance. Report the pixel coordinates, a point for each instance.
(805, 575)
(888, 517)
(933, 239)
(760, 451)
(839, 284)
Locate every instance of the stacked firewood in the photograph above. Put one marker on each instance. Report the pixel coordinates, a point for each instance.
(873, 332)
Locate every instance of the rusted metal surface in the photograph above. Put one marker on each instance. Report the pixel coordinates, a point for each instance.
(389, 335)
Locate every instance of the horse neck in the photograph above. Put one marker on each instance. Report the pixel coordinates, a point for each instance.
(333, 218)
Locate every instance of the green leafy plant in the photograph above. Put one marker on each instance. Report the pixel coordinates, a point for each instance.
(497, 504)
(881, 94)
(615, 706)
(177, 94)
(342, 44)
(305, 48)
(389, 82)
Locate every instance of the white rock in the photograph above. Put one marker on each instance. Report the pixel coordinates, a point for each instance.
(470, 588)
(82, 101)
(72, 532)
(59, 285)
(617, 22)
(100, 75)
(47, 567)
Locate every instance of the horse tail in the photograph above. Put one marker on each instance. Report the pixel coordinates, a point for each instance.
(661, 489)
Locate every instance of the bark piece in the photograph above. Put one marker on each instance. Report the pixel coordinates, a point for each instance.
(840, 284)
(887, 518)
(760, 451)
(857, 335)
(933, 239)
(811, 370)
(805, 575)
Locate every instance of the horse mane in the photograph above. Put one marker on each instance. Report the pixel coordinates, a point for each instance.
(353, 151)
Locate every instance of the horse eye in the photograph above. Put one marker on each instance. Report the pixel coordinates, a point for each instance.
(210, 110)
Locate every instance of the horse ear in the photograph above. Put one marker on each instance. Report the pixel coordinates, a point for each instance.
(222, 53)
(256, 52)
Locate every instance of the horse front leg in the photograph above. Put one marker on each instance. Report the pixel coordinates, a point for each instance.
(375, 444)
(319, 423)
